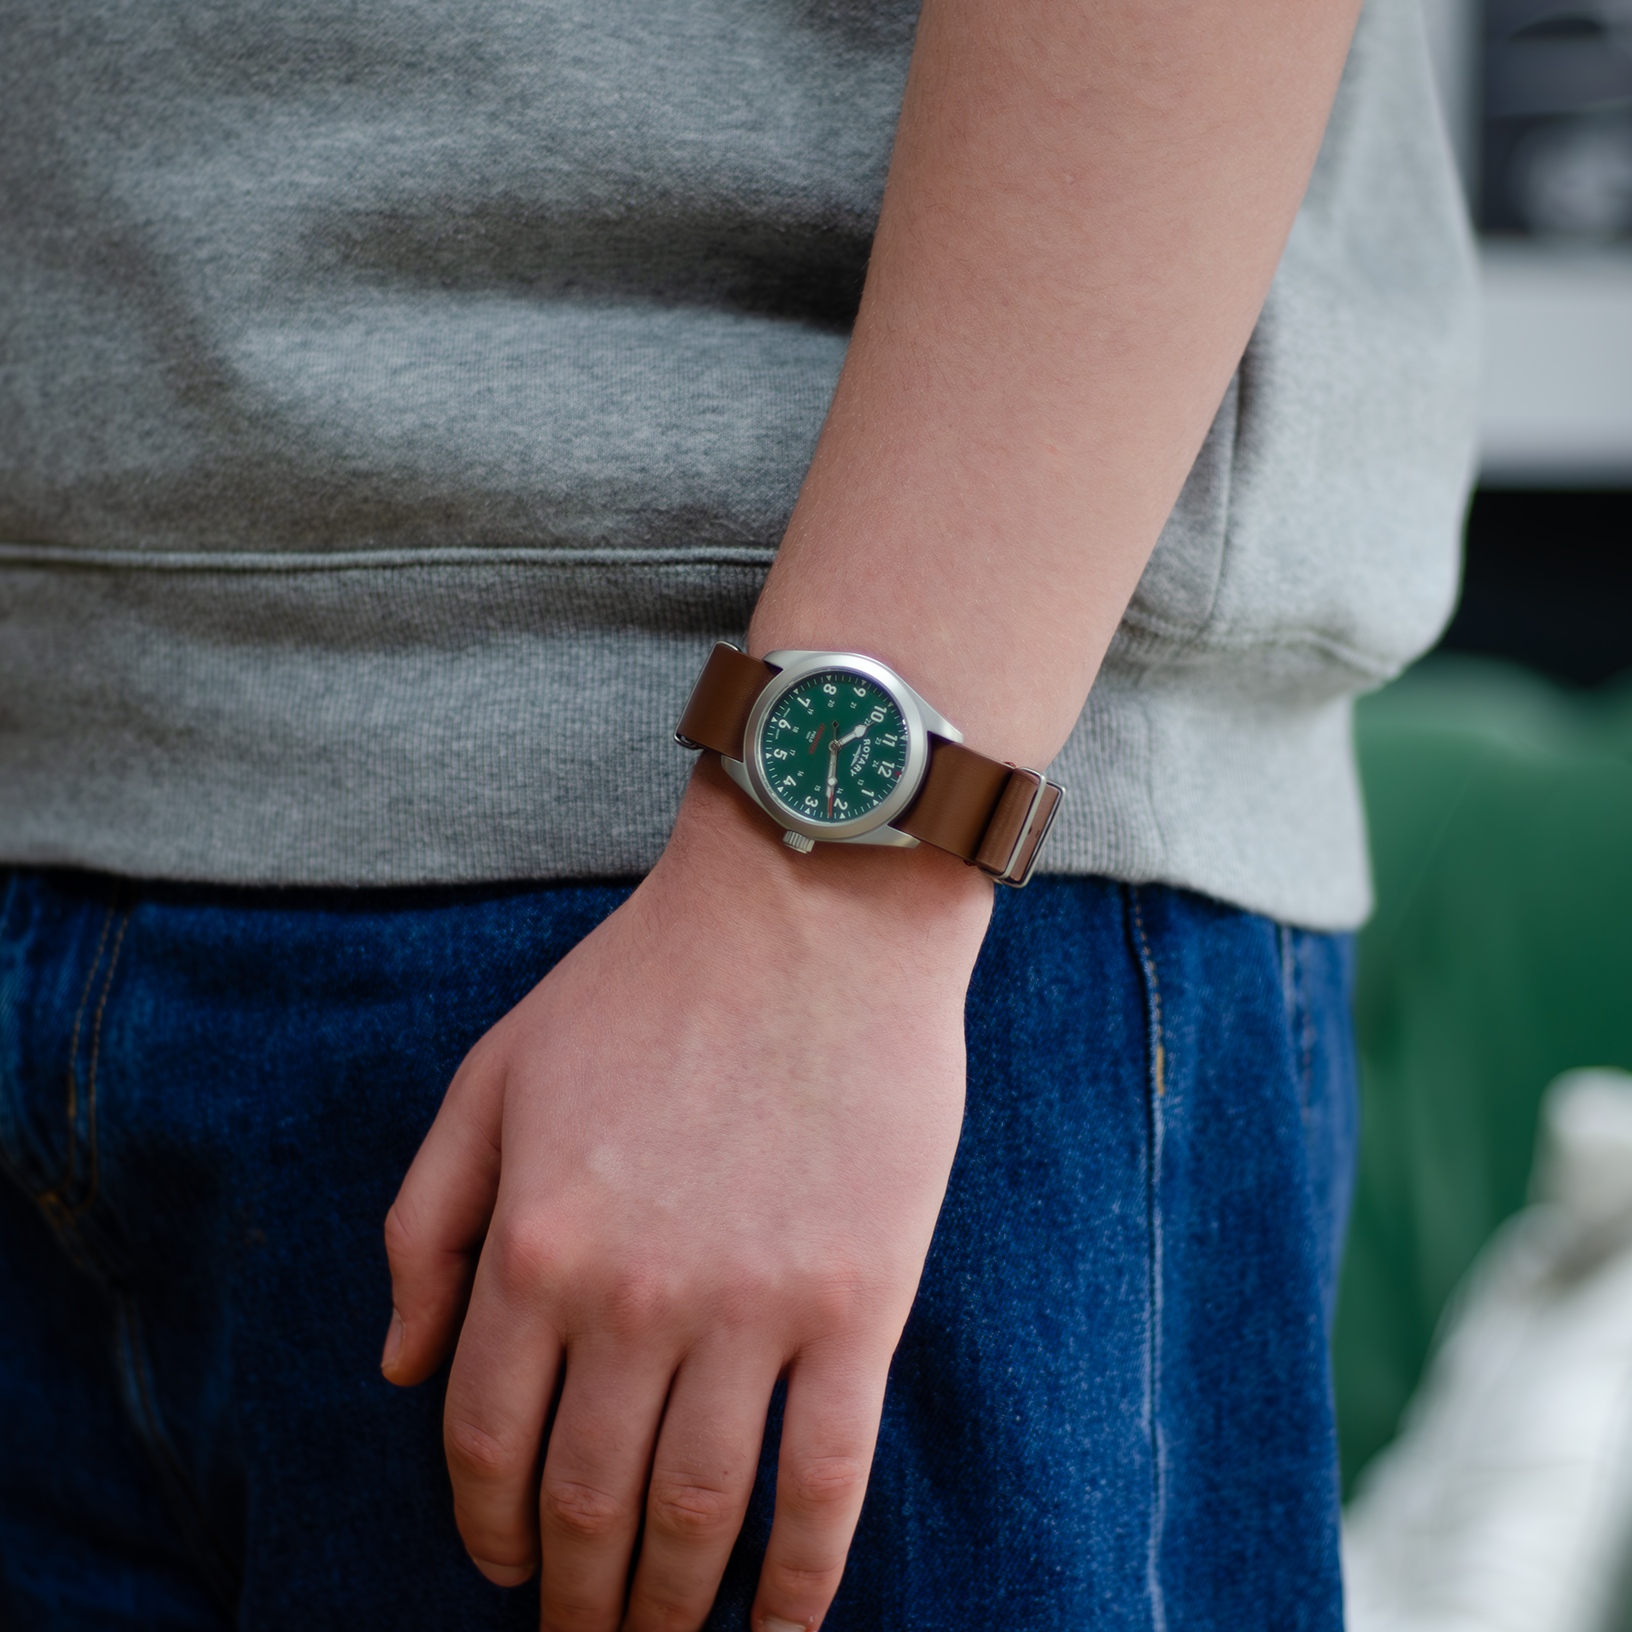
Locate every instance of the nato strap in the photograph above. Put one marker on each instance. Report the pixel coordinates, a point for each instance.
(994, 816)
(721, 701)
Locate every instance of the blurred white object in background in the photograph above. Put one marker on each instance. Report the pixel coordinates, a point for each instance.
(1506, 1503)
(1556, 403)
(1576, 179)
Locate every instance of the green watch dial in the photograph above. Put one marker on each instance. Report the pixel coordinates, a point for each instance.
(833, 747)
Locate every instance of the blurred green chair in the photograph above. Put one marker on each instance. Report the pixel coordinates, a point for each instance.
(1500, 954)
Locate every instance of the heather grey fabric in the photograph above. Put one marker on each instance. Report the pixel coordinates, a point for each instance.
(396, 400)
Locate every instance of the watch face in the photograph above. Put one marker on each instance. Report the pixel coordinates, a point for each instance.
(833, 747)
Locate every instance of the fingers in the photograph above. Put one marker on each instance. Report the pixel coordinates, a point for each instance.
(437, 1222)
(621, 1393)
(499, 1393)
(828, 1434)
(594, 1480)
(701, 1480)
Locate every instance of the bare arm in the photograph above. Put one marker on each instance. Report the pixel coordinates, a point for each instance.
(1084, 211)
(710, 1147)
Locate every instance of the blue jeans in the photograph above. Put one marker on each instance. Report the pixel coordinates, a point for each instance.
(1110, 1409)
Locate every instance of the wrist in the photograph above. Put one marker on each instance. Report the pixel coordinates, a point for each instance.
(896, 771)
(933, 906)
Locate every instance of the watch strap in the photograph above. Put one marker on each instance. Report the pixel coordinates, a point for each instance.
(993, 815)
(721, 701)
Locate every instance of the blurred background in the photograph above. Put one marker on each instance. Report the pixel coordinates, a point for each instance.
(1538, 103)
(1498, 773)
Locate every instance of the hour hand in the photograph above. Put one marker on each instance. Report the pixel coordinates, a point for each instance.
(850, 736)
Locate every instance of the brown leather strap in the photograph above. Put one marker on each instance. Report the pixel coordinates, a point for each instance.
(960, 792)
(721, 701)
(993, 816)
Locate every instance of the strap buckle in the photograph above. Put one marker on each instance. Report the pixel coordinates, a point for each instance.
(1014, 836)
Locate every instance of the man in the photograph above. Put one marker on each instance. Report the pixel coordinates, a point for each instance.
(399, 406)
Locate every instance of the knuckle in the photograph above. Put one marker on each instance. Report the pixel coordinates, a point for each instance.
(401, 1245)
(528, 1256)
(653, 1612)
(743, 1293)
(568, 1615)
(579, 1511)
(827, 1484)
(480, 1456)
(832, 1302)
(689, 1509)
(802, 1581)
(638, 1301)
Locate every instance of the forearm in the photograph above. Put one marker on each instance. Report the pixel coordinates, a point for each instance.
(1084, 211)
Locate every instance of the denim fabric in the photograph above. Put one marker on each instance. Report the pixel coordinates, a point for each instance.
(1110, 1409)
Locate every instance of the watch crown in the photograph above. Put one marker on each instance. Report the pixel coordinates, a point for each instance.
(797, 841)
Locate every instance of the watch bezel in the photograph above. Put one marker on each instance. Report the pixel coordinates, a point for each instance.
(918, 719)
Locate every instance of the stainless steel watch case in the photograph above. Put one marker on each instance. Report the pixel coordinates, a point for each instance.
(920, 718)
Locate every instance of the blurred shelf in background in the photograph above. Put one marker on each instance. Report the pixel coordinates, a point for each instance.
(1537, 99)
(1555, 113)
(1556, 398)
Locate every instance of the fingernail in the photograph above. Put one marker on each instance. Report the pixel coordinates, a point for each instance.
(393, 1343)
(775, 1623)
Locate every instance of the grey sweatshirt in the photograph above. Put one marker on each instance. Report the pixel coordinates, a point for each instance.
(398, 397)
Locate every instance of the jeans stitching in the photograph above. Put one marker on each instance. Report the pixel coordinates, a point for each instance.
(50, 1198)
(1153, 986)
(90, 1082)
(1158, 1090)
(1300, 1021)
(1308, 1032)
(210, 1553)
(207, 1548)
(67, 1219)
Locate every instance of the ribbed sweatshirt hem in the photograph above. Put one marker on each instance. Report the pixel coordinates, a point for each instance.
(467, 716)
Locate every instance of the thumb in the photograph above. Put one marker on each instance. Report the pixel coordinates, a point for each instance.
(435, 1227)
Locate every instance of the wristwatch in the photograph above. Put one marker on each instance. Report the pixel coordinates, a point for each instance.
(836, 746)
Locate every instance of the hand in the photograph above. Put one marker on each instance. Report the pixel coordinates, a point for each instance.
(707, 1150)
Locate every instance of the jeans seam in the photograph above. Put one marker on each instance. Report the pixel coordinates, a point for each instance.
(49, 1199)
(1156, 1095)
(1300, 1026)
(57, 1201)
(209, 1552)
(1308, 1037)
(66, 1218)
(91, 1139)
(207, 1548)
